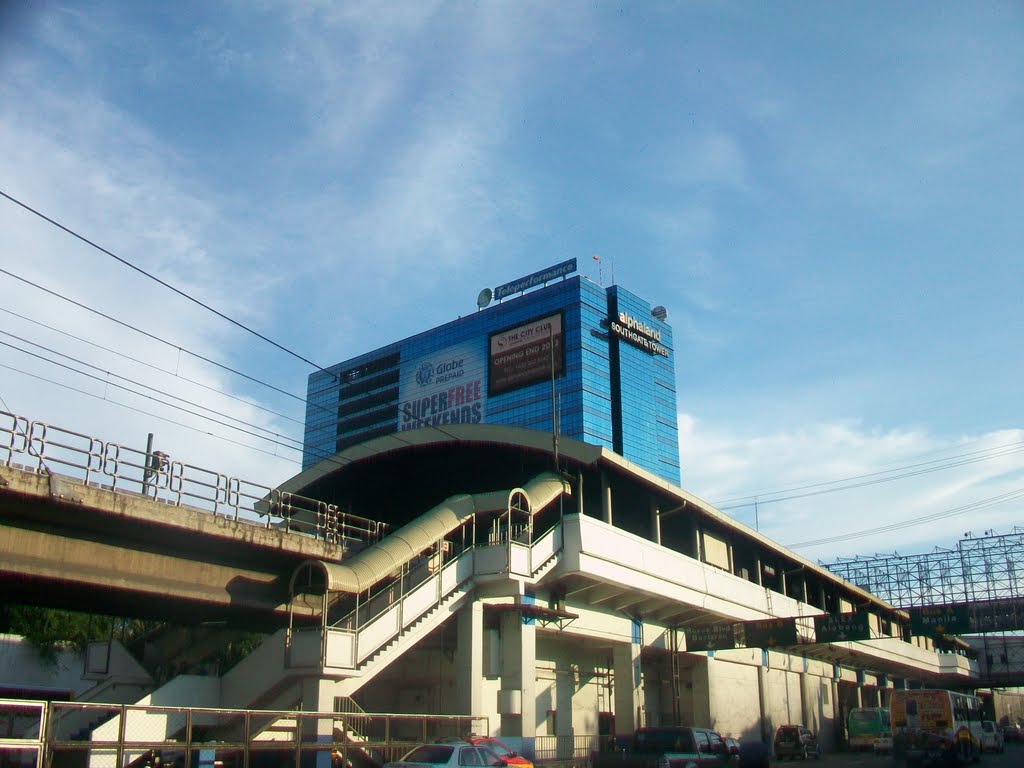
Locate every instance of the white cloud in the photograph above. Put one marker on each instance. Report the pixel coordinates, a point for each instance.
(797, 478)
(96, 170)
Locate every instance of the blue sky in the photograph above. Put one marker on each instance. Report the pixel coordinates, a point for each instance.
(826, 197)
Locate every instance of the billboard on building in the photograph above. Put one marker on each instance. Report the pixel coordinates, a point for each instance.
(445, 387)
(525, 354)
(537, 278)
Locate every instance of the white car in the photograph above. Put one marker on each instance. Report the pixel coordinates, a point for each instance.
(451, 754)
(991, 737)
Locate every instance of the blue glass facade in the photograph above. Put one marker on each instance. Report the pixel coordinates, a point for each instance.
(613, 363)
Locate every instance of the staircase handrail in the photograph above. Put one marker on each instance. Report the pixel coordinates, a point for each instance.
(355, 718)
(408, 607)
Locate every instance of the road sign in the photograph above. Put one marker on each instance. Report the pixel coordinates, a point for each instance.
(710, 637)
(839, 627)
(952, 619)
(769, 633)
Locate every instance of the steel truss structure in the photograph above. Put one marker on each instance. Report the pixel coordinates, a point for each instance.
(981, 569)
(985, 573)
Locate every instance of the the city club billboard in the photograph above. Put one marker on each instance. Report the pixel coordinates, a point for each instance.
(445, 387)
(524, 355)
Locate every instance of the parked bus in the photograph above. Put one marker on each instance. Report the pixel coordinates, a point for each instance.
(932, 724)
(867, 726)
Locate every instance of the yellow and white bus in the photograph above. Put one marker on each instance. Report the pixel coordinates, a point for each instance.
(930, 724)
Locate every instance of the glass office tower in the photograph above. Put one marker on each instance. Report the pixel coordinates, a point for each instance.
(608, 353)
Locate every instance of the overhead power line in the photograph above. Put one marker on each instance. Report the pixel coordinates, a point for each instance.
(973, 506)
(154, 337)
(109, 383)
(876, 478)
(165, 284)
(37, 377)
(397, 437)
(136, 360)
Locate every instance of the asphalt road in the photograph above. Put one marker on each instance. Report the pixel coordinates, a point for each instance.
(1013, 757)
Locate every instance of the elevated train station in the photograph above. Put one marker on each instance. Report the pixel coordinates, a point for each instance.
(576, 604)
(488, 524)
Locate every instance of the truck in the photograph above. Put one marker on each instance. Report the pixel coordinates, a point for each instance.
(669, 747)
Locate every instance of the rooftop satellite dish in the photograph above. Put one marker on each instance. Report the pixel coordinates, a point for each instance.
(660, 313)
(484, 298)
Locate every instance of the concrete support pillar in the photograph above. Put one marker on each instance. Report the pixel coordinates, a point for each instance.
(518, 678)
(702, 676)
(807, 707)
(655, 522)
(760, 575)
(606, 499)
(469, 660)
(318, 696)
(767, 732)
(629, 689)
(839, 727)
(579, 496)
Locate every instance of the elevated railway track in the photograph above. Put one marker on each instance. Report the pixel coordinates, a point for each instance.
(101, 527)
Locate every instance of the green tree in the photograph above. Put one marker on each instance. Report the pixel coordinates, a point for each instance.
(48, 630)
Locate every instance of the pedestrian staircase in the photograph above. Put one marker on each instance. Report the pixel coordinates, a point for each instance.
(407, 605)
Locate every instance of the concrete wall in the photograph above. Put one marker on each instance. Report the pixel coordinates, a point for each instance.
(730, 691)
(735, 704)
(123, 682)
(576, 686)
(783, 698)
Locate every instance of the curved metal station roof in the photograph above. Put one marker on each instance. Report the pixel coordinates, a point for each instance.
(397, 477)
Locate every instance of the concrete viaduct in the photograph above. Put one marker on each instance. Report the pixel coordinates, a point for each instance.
(68, 544)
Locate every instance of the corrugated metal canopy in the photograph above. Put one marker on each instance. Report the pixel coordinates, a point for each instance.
(366, 568)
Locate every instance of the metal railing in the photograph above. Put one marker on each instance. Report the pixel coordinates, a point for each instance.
(574, 750)
(34, 734)
(22, 733)
(420, 586)
(48, 449)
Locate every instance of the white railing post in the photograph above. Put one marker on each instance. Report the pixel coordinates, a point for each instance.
(401, 597)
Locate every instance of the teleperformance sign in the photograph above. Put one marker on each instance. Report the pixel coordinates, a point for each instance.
(537, 278)
(525, 354)
(638, 333)
(446, 387)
